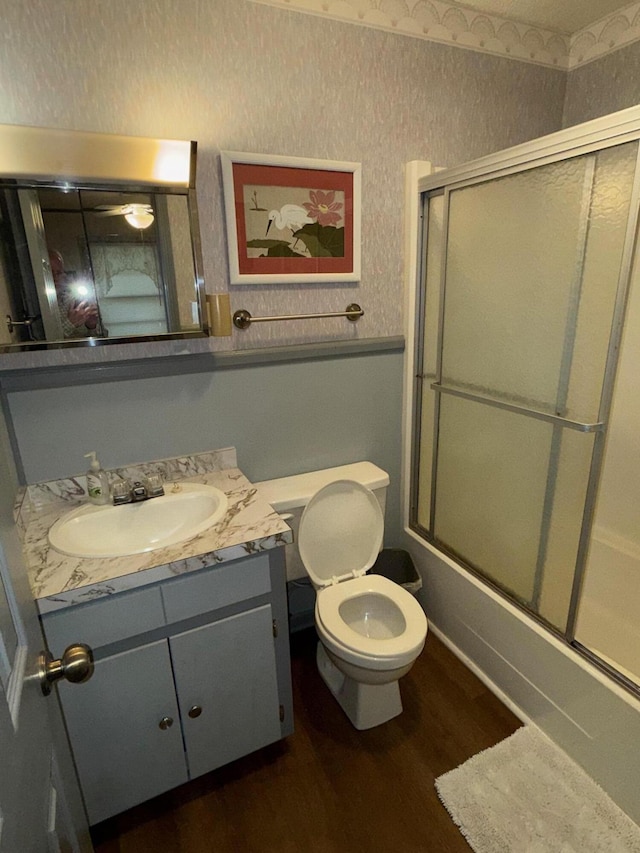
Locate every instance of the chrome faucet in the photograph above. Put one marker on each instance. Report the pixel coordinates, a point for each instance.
(125, 492)
(139, 491)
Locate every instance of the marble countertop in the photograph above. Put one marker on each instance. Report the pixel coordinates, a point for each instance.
(249, 526)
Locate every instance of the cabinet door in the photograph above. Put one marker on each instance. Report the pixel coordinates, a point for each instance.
(122, 755)
(228, 669)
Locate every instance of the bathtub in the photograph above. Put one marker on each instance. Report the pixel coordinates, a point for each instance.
(609, 613)
(540, 677)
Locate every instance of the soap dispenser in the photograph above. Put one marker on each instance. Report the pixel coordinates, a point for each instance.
(97, 481)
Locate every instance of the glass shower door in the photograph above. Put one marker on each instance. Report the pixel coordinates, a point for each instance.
(608, 617)
(521, 277)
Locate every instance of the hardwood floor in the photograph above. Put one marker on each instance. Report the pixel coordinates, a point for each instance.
(330, 788)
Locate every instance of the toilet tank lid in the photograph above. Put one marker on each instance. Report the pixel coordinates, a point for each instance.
(290, 492)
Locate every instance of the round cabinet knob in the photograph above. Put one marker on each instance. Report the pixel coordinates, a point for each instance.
(195, 711)
(166, 723)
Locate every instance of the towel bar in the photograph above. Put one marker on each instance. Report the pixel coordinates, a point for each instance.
(242, 319)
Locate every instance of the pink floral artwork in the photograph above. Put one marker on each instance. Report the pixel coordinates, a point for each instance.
(292, 220)
(323, 208)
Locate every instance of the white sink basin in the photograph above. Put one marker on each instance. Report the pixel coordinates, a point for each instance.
(116, 531)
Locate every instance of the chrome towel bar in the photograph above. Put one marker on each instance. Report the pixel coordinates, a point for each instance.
(242, 319)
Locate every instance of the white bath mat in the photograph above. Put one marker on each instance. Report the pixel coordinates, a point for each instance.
(524, 795)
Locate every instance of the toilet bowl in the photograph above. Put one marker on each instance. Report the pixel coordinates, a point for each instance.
(370, 629)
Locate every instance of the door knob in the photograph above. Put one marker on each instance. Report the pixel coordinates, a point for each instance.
(195, 711)
(75, 665)
(166, 723)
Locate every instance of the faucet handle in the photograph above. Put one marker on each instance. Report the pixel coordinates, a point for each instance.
(121, 492)
(154, 485)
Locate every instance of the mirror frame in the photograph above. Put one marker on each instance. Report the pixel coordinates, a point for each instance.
(38, 157)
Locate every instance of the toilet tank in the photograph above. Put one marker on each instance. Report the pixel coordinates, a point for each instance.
(290, 495)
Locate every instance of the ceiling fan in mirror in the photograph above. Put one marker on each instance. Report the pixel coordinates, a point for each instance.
(137, 215)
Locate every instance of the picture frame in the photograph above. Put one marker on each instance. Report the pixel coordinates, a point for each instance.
(291, 219)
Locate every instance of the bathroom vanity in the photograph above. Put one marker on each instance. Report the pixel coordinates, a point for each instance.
(190, 642)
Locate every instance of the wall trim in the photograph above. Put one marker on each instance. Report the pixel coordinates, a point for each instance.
(29, 379)
(459, 26)
(607, 35)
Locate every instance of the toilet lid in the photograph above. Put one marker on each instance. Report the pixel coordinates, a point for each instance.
(340, 532)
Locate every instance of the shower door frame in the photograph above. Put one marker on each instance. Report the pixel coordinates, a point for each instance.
(590, 138)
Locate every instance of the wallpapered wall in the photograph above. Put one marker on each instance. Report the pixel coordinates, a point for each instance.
(612, 83)
(241, 76)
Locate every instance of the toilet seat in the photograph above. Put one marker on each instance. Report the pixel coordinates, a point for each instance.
(366, 620)
(380, 653)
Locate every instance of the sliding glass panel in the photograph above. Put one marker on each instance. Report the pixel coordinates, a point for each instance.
(608, 213)
(524, 294)
(567, 481)
(510, 494)
(512, 253)
(533, 262)
(609, 611)
(490, 490)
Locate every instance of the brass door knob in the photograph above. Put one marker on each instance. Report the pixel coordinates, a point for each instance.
(166, 723)
(76, 665)
(195, 711)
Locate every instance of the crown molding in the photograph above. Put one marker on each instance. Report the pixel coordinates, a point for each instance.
(446, 23)
(610, 33)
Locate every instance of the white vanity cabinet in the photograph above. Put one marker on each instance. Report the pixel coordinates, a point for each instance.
(191, 673)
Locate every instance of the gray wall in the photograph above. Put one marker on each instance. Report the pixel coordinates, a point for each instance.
(604, 86)
(282, 418)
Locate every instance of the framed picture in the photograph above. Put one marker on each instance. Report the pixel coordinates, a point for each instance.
(291, 219)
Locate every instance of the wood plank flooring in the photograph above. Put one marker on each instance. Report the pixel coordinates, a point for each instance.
(330, 788)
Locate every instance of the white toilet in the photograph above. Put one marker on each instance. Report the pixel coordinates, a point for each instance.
(371, 630)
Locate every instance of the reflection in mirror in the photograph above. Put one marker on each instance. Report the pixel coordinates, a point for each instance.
(85, 263)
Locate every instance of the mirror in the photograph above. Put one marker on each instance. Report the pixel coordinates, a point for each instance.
(99, 240)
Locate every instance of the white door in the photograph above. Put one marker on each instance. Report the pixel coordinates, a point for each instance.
(40, 806)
